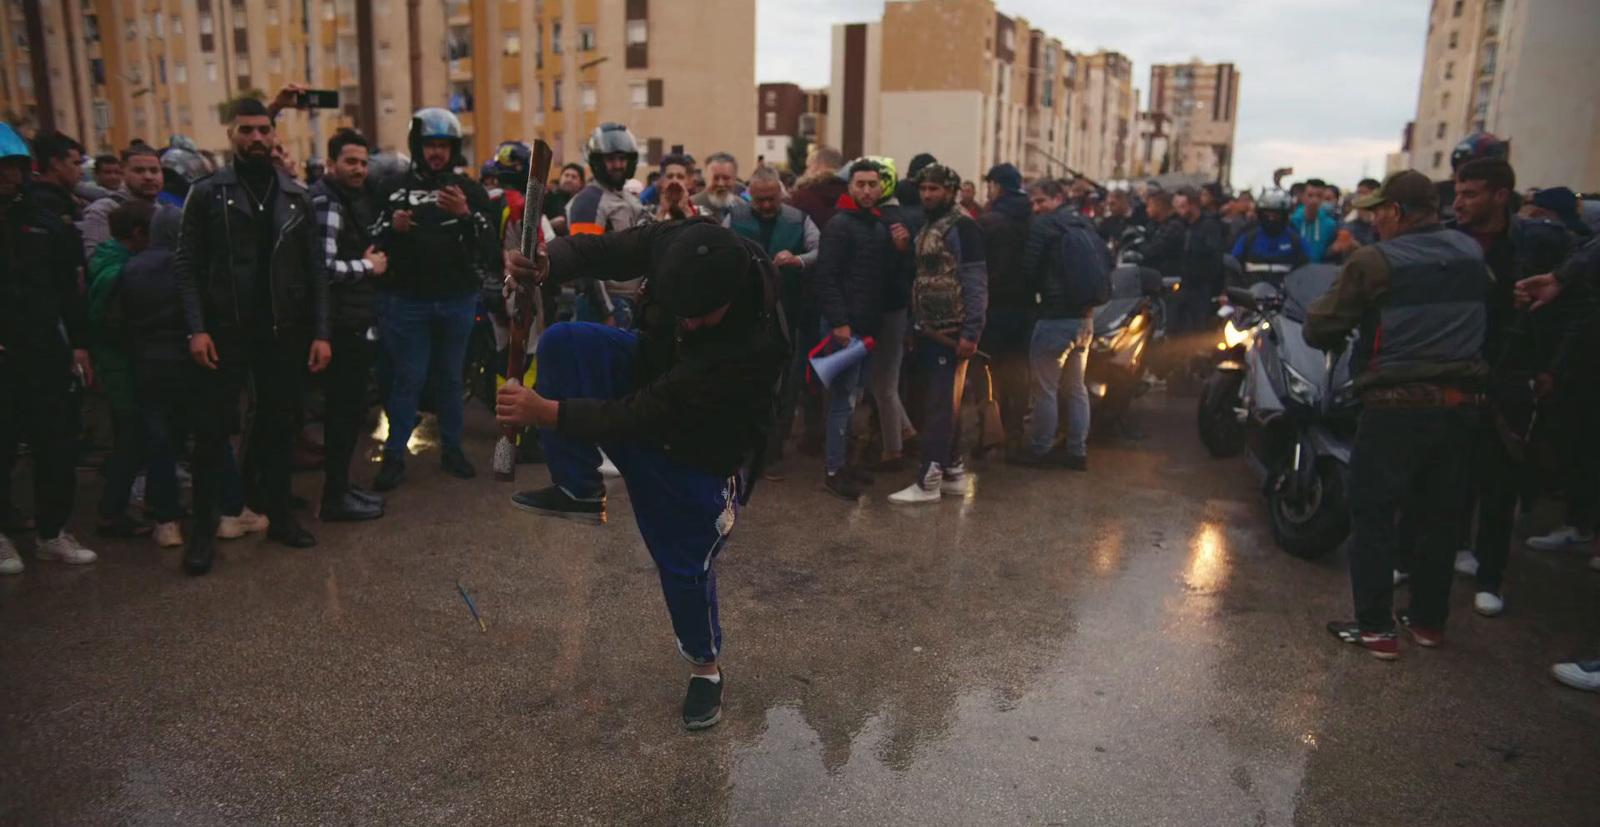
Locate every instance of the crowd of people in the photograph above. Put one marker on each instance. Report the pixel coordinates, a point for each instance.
(682, 307)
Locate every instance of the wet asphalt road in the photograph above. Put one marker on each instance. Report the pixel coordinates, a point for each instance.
(1123, 647)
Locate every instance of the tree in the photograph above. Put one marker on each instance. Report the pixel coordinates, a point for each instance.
(799, 150)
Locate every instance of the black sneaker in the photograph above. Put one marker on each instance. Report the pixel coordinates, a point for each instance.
(702, 706)
(555, 502)
(286, 530)
(456, 465)
(840, 485)
(858, 476)
(1074, 462)
(390, 475)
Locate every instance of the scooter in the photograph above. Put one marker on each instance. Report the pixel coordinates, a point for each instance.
(1290, 408)
(1123, 330)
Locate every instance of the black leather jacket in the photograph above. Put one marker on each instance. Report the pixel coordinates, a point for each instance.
(216, 262)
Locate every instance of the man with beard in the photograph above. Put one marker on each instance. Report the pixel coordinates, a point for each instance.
(142, 180)
(949, 298)
(39, 299)
(436, 229)
(254, 293)
(604, 207)
(717, 198)
(684, 406)
(345, 214)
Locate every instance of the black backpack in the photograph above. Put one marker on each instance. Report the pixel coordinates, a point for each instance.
(1085, 262)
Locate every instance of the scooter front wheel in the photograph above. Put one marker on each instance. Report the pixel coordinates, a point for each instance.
(1217, 414)
(1312, 522)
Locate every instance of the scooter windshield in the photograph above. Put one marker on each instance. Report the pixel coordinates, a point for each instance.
(1304, 286)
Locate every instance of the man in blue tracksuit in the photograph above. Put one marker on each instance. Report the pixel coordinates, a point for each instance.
(683, 404)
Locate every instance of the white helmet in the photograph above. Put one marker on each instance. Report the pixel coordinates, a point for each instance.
(1275, 199)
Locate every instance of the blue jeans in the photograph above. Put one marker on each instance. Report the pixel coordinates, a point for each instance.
(684, 514)
(621, 312)
(416, 335)
(843, 394)
(946, 377)
(1058, 344)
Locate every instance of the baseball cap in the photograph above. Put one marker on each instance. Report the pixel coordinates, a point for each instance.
(1407, 188)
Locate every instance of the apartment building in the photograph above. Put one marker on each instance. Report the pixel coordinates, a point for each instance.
(785, 112)
(1201, 101)
(114, 70)
(1523, 70)
(975, 87)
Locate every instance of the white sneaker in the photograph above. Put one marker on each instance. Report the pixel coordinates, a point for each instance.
(136, 493)
(1583, 675)
(956, 482)
(232, 528)
(1562, 538)
(168, 535)
(1466, 563)
(925, 490)
(67, 549)
(1488, 604)
(608, 468)
(1400, 577)
(10, 561)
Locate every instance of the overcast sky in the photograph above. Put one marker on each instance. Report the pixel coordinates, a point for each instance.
(1326, 85)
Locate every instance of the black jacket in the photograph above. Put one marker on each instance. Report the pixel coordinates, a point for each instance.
(708, 397)
(43, 262)
(442, 256)
(1164, 250)
(1005, 233)
(856, 264)
(344, 237)
(902, 264)
(1537, 342)
(1041, 270)
(216, 262)
(152, 314)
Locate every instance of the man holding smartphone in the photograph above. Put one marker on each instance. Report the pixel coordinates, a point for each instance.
(435, 228)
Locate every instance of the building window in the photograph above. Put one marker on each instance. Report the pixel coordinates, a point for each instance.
(1456, 12)
(1438, 133)
(1455, 38)
(1450, 70)
(638, 32)
(655, 92)
(241, 65)
(102, 115)
(555, 37)
(132, 29)
(138, 117)
(639, 94)
(586, 97)
(772, 98)
(272, 14)
(205, 23)
(166, 113)
(97, 71)
(638, 44)
(241, 16)
(511, 42)
(585, 38)
(161, 69)
(135, 77)
(513, 99)
(275, 63)
(769, 121)
(177, 29)
(180, 73)
(183, 116)
(1438, 158)
(1444, 101)
(654, 149)
(555, 94)
(157, 21)
(211, 71)
(387, 104)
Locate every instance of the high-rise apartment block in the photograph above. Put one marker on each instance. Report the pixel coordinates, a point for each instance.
(679, 74)
(1200, 100)
(1525, 70)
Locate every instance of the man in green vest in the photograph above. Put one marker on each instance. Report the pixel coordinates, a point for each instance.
(791, 238)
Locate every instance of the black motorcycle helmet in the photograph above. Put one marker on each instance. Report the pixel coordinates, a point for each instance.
(434, 123)
(1479, 145)
(511, 163)
(606, 139)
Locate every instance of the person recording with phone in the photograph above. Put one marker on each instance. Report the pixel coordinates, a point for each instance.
(435, 228)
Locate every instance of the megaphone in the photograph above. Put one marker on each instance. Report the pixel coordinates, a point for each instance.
(825, 368)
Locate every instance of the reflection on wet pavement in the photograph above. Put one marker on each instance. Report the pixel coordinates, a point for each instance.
(1124, 647)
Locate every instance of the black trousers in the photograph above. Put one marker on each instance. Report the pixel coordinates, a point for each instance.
(38, 406)
(1006, 337)
(1416, 458)
(344, 388)
(1499, 482)
(276, 365)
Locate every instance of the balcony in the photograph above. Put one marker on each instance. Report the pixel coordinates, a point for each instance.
(461, 69)
(458, 12)
(468, 125)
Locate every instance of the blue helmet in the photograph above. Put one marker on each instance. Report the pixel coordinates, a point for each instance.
(12, 145)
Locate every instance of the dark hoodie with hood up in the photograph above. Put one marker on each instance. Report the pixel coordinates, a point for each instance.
(443, 255)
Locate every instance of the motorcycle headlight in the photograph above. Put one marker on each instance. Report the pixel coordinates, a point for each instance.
(1233, 336)
(1300, 388)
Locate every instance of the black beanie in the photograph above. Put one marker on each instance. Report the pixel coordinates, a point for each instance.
(700, 270)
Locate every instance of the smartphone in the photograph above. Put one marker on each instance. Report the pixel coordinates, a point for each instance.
(317, 99)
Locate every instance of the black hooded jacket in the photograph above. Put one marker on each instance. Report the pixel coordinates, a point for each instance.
(1005, 232)
(43, 261)
(707, 396)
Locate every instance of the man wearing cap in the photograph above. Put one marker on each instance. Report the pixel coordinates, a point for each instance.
(1559, 204)
(1417, 298)
(683, 405)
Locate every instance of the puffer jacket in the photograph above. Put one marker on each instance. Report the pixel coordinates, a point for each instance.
(216, 262)
(1005, 232)
(855, 264)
